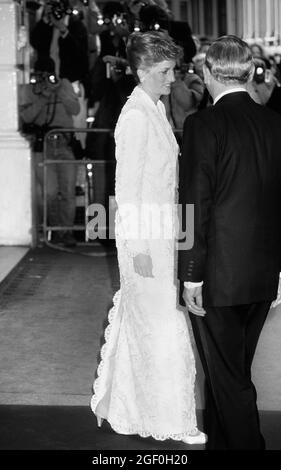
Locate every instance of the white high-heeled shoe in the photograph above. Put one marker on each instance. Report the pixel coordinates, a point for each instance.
(193, 439)
(99, 420)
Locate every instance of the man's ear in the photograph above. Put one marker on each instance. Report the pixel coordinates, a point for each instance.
(251, 76)
(206, 74)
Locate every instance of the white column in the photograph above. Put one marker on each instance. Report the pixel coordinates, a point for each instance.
(15, 159)
(276, 20)
(215, 19)
(250, 18)
(279, 21)
(268, 18)
(230, 18)
(240, 18)
(257, 22)
(245, 19)
(201, 18)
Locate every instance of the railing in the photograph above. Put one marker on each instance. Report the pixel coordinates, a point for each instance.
(89, 194)
(90, 182)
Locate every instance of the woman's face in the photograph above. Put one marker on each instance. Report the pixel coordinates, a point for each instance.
(158, 79)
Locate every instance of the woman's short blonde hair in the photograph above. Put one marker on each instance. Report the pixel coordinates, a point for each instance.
(230, 61)
(144, 50)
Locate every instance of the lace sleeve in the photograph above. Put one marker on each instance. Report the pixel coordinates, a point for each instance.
(131, 151)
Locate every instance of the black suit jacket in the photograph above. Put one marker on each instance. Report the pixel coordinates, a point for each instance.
(230, 169)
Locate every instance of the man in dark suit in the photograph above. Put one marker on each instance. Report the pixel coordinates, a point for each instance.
(230, 170)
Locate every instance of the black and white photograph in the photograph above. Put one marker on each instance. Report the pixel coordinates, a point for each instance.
(140, 231)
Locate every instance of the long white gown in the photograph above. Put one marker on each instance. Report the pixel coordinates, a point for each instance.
(145, 382)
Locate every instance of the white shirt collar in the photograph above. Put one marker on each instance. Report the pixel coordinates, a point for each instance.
(231, 90)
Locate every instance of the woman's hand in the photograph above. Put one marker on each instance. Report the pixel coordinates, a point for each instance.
(143, 265)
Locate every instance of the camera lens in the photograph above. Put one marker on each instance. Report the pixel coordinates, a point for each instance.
(33, 79)
(52, 79)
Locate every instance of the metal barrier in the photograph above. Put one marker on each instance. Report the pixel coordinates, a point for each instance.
(89, 176)
(89, 186)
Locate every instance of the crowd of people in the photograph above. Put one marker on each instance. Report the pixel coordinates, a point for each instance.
(86, 47)
(76, 43)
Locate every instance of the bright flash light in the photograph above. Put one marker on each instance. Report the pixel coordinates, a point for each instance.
(157, 26)
(259, 70)
(89, 166)
(137, 29)
(90, 173)
(90, 119)
(100, 21)
(75, 12)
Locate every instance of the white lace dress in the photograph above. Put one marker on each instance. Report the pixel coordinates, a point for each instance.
(145, 382)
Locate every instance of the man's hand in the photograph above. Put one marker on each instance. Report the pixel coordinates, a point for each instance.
(111, 59)
(193, 300)
(49, 88)
(143, 265)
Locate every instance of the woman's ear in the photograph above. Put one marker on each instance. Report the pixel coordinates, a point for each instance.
(141, 74)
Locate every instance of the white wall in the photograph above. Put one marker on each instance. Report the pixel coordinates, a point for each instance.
(15, 160)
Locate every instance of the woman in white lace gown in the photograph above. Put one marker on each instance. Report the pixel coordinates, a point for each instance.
(146, 376)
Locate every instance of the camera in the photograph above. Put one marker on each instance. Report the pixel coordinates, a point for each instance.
(185, 68)
(115, 20)
(40, 77)
(117, 69)
(59, 9)
(262, 74)
(259, 74)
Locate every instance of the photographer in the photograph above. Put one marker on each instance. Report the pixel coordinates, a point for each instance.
(265, 87)
(110, 85)
(49, 102)
(153, 16)
(62, 36)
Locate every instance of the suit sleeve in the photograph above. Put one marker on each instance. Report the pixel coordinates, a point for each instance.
(131, 150)
(197, 182)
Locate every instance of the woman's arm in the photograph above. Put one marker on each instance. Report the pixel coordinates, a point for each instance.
(131, 152)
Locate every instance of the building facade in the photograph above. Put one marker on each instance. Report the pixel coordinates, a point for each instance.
(253, 20)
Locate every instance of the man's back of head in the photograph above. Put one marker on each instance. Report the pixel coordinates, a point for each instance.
(228, 63)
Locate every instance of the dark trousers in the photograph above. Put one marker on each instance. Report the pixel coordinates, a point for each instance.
(226, 339)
